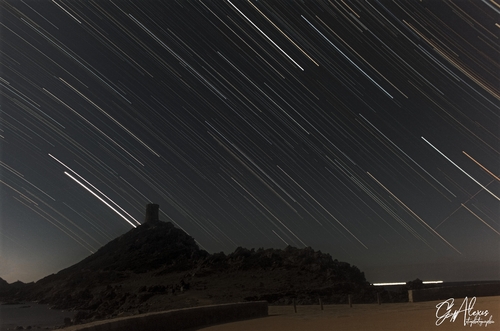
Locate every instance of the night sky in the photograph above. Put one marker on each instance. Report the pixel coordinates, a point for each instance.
(368, 130)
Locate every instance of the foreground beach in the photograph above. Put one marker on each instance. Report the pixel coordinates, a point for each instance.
(419, 316)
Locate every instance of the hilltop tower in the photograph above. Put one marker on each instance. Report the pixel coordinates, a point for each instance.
(152, 213)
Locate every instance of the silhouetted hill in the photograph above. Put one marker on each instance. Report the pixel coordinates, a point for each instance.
(147, 247)
(157, 267)
(4, 286)
(7, 290)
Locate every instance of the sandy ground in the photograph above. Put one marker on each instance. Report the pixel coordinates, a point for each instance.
(386, 317)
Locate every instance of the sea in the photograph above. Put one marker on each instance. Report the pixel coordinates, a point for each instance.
(30, 314)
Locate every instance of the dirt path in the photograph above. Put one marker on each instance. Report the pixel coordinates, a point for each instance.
(386, 317)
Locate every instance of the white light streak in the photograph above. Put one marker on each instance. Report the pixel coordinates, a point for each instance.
(95, 188)
(479, 218)
(276, 218)
(404, 283)
(255, 26)
(478, 183)
(98, 197)
(67, 12)
(413, 213)
(283, 240)
(110, 117)
(354, 64)
(373, 126)
(319, 204)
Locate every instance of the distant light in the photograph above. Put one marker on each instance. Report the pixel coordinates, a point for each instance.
(432, 282)
(404, 283)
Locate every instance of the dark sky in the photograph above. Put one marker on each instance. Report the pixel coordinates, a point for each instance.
(365, 129)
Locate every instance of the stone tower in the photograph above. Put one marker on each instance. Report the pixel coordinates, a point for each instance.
(152, 213)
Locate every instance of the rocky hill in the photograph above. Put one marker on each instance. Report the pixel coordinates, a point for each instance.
(157, 267)
(8, 290)
(3, 285)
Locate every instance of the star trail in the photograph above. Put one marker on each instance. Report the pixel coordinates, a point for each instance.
(365, 129)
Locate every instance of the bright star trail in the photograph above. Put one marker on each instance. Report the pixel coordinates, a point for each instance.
(255, 124)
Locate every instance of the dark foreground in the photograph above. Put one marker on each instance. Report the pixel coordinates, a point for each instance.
(419, 316)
